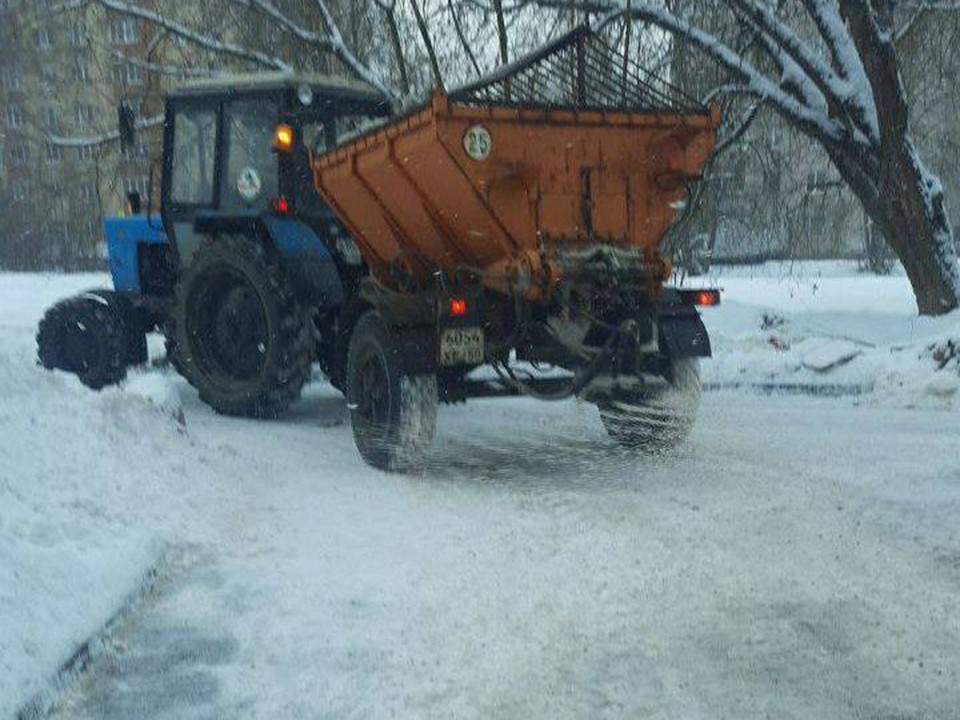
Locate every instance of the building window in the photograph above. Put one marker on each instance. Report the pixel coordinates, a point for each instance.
(86, 153)
(125, 32)
(57, 208)
(50, 77)
(54, 152)
(136, 185)
(77, 35)
(127, 74)
(84, 116)
(51, 119)
(141, 150)
(82, 70)
(11, 80)
(21, 154)
(14, 116)
(43, 39)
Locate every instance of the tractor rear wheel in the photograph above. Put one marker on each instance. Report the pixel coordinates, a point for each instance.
(656, 420)
(238, 334)
(394, 415)
(88, 335)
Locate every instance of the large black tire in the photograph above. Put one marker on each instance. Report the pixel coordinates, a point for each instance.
(394, 415)
(170, 346)
(656, 421)
(88, 335)
(237, 333)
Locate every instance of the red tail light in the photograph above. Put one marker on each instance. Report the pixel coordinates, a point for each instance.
(458, 307)
(708, 298)
(700, 298)
(282, 206)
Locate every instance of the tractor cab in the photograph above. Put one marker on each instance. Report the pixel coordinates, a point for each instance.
(236, 160)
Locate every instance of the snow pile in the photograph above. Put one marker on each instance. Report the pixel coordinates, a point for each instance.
(824, 327)
(351, 587)
(91, 487)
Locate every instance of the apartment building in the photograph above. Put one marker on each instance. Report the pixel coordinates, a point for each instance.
(62, 76)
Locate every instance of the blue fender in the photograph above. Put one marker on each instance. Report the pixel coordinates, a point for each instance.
(303, 254)
(308, 260)
(124, 236)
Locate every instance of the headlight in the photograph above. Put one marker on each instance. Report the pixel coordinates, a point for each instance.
(305, 95)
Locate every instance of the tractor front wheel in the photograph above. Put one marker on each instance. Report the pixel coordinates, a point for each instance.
(394, 415)
(92, 336)
(239, 335)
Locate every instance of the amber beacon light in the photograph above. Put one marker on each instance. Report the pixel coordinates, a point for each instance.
(283, 138)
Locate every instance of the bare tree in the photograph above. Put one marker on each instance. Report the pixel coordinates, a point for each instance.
(829, 68)
(841, 87)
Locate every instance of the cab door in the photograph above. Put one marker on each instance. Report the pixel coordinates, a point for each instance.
(192, 150)
(250, 172)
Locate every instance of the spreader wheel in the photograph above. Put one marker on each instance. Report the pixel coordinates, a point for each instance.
(655, 421)
(394, 415)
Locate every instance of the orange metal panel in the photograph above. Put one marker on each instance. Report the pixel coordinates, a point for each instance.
(552, 175)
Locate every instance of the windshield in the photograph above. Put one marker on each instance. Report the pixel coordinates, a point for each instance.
(321, 134)
(250, 173)
(324, 133)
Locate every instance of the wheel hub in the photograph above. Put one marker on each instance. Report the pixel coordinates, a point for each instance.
(372, 393)
(81, 348)
(229, 324)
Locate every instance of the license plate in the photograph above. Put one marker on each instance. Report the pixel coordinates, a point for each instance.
(461, 346)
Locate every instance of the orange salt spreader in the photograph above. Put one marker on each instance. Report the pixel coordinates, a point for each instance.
(506, 177)
(517, 222)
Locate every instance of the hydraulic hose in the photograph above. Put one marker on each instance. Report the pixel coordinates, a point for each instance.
(580, 380)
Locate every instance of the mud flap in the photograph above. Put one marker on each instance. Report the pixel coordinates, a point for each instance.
(683, 335)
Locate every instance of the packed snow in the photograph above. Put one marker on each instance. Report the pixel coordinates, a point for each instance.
(798, 558)
(827, 325)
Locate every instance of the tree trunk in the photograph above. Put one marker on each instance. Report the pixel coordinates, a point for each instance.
(391, 14)
(501, 31)
(917, 228)
(425, 35)
(900, 195)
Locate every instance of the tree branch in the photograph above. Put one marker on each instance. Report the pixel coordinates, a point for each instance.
(124, 7)
(339, 47)
(105, 138)
(425, 35)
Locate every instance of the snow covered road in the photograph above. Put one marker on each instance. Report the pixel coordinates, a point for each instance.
(798, 559)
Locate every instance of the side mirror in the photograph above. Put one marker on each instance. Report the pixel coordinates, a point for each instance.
(127, 125)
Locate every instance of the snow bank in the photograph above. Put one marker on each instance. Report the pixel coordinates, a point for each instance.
(69, 550)
(94, 485)
(825, 324)
(91, 487)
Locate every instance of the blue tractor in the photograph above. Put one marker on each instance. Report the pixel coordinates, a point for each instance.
(244, 269)
(252, 277)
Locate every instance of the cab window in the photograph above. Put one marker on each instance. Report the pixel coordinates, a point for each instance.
(351, 126)
(194, 154)
(250, 179)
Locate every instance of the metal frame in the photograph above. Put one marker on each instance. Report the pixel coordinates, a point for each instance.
(578, 71)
